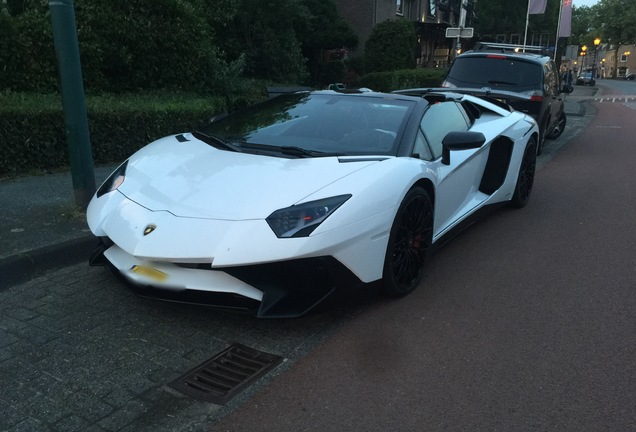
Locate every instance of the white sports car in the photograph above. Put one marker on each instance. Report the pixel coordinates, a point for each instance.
(275, 207)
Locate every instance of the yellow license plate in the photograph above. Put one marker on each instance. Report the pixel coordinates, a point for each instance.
(149, 272)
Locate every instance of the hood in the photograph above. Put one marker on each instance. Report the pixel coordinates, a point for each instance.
(190, 178)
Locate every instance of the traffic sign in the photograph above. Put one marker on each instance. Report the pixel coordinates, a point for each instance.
(455, 32)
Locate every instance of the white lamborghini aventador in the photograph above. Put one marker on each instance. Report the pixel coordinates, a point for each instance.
(275, 207)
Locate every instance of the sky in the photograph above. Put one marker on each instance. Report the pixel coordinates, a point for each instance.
(580, 3)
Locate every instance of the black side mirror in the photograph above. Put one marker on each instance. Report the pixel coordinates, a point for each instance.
(465, 140)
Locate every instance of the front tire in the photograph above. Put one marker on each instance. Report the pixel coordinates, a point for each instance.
(409, 244)
(525, 179)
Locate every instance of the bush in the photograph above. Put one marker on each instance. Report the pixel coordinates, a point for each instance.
(33, 125)
(27, 57)
(391, 46)
(403, 79)
(125, 46)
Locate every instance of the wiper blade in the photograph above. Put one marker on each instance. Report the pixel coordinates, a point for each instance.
(215, 142)
(301, 152)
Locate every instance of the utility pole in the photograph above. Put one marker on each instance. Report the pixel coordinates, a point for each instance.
(73, 100)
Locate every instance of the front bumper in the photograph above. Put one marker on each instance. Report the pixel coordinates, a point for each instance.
(284, 289)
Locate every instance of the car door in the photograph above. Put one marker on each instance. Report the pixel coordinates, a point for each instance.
(457, 192)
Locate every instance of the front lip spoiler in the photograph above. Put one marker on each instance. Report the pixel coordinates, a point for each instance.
(290, 289)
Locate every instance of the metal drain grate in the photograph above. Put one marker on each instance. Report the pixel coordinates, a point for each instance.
(224, 376)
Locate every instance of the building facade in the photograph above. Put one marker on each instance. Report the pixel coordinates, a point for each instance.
(619, 61)
(432, 18)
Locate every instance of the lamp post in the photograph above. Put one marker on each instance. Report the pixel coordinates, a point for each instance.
(597, 42)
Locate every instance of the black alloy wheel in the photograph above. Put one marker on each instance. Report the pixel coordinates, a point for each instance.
(525, 180)
(559, 128)
(409, 244)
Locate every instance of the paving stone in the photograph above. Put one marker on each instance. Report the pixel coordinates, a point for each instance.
(36, 335)
(123, 416)
(9, 324)
(7, 339)
(87, 407)
(46, 409)
(71, 423)
(21, 313)
(29, 425)
(118, 397)
(9, 417)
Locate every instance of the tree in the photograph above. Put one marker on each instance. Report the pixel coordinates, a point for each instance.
(615, 21)
(264, 33)
(583, 25)
(321, 29)
(391, 46)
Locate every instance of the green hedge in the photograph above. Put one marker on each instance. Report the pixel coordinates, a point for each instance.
(403, 79)
(32, 126)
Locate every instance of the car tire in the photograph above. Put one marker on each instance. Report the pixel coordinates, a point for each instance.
(525, 178)
(409, 244)
(559, 128)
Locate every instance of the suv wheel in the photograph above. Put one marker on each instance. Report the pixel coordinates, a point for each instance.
(558, 128)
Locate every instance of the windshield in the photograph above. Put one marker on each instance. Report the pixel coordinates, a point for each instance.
(499, 72)
(311, 125)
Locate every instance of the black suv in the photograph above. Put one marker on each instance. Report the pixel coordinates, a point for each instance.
(518, 75)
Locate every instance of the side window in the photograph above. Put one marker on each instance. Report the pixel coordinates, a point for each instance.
(440, 119)
(551, 79)
(421, 148)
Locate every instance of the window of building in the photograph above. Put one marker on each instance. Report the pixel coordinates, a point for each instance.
(398, 7)
(542, 39)
(432, 8)
(623, 58)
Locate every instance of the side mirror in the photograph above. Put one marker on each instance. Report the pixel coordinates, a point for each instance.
(465, 140)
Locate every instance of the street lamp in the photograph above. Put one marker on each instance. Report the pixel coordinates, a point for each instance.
(597, 42)
(583, 52)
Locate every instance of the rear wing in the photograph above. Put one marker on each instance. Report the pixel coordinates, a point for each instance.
(496, 97)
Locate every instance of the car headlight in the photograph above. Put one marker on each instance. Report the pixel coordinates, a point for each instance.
(114, 181)
(300, 220)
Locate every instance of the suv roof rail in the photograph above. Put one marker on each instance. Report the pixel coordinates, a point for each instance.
(503, 47)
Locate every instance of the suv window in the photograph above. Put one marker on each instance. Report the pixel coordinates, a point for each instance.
(496, 71)
(551, 80)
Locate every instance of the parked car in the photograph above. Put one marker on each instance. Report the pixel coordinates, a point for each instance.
(630, 76)
(275, 207)
(531, 77)
(585, 78)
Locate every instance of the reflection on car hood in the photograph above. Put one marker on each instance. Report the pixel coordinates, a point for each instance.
(193, 179)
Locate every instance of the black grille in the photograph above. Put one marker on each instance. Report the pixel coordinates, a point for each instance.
(224, 376)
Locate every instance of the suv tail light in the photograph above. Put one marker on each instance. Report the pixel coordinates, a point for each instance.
(536, 98)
